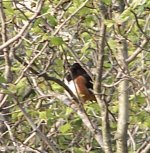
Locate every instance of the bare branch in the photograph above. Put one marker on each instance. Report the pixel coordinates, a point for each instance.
(11, 134)
(8, 73)
(82, 114)
(137, 51)
(31, 62)
(26, 27)
(138, 25)
(145, 147)
(98, 80)
(39, 133)
(75, 12)
(22, 149)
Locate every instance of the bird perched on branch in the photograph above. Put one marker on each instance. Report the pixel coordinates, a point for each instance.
(80, 83)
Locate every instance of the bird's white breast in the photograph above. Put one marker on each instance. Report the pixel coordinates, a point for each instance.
(71, 86)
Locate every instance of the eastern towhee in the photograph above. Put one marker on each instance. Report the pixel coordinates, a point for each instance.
(80, 83)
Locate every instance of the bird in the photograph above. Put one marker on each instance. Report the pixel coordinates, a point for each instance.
(80, 83)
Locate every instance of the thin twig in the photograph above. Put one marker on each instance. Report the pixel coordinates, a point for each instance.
(75, 12)
(39, 133)
(137, 51)
(31, 62)
(138, 25)
(26, 27)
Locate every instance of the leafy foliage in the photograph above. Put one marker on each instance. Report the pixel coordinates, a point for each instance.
(39, 57)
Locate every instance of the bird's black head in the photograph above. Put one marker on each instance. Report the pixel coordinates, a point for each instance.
(74, 71)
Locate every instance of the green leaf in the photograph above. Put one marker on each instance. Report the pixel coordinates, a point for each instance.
(52, 20)
(85, 47)
(85, 36)
(56, 87)
(56, 41)
(137, 3)
(109, 23)
(45, 9)
(49, 121)
(8, 8)
(126, 14)
(84, 11)
(45, 37)
(42, 115)
(79, 150)
(147, 122)
(107, 2)
(21, 86)
(78, 122)
(72, 9)
(48, 113)
(29, 52)
(12, 88)
(90, 21)
(113, 44)
(19, 115)
(68, 111)
(65, 128)
(2, 79)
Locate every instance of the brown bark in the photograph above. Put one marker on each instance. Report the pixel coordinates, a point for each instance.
(98, 82)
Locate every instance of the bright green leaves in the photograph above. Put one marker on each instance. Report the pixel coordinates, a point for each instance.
(113, 44)
(9, 10)
(141, 119)
(42, 115)
(126, 14)
(52, 20)
(138, 3)
(90, 20)
(17, 89)
(21, 86)
(140, 99)
(85, 47)
(56, 41)
(29, 53)
(138, 117)
(75, 6)
(79, 150)
(12, 89)
(109, 23)
(46, 115)
(107, 2)
(2, 79)
(65, 128)
(86, 36)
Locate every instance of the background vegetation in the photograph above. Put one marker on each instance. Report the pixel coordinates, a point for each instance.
(110, 39)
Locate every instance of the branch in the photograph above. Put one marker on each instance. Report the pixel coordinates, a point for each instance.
(137, 51)
(82, 114)
(39, 133)
(11, 135)
(98, 81)
(75, 12)
(145, 147)
(26, 27)
(138, 25)
(31, 62)
(123, 114)
(3, 23)
(7, 74)
(21, 149)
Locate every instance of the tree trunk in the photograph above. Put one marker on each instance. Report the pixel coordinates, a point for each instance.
(123, 103)
(98, 80)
